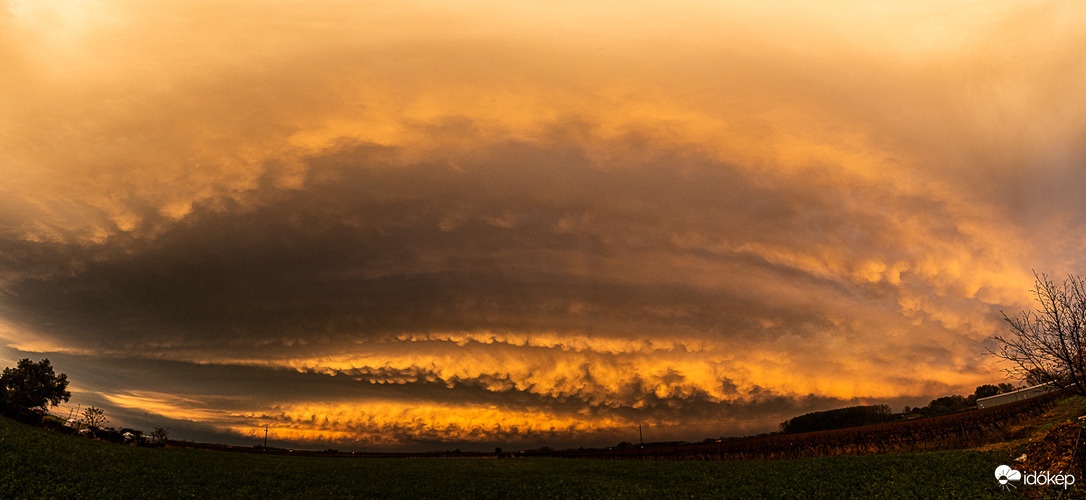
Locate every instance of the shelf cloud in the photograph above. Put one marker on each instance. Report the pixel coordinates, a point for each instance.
(417, 225)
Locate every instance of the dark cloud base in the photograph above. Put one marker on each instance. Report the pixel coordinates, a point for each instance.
(367, 249)
(374, 254)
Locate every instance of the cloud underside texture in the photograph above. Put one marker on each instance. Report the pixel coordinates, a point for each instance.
(552, 295)
(395, 242)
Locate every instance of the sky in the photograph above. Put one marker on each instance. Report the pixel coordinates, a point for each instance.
(421, 225)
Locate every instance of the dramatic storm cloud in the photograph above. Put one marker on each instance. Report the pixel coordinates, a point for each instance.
(419, 225)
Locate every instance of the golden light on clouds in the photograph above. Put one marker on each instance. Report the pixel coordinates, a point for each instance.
(401, 224)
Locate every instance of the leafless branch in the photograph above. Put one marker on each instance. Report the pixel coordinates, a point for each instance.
(1047, 344)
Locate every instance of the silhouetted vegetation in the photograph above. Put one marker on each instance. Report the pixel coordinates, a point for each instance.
(837, 419)
(160, 435)
(1046, 345)
(94, 417)
(854, 416)
(987, 390)
(26, 389)
(32, 384)
(951, 404)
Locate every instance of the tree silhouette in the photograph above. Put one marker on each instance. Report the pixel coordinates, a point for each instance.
(1035, 377)
(32, 384)
(94, 417)
(160, 435)
(986, 390)
(1046, 345)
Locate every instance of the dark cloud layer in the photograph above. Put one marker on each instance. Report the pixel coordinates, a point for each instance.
(377, 250)
(374, 260)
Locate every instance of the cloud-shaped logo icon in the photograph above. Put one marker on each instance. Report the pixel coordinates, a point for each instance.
(1004, 474)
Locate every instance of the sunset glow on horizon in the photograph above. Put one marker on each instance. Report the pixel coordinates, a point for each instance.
(418, 225)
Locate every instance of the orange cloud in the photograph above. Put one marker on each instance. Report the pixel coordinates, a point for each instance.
(396, 423)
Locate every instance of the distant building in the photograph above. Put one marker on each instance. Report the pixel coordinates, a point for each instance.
(1020, 394)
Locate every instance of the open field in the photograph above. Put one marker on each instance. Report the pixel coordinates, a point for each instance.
(35, 463)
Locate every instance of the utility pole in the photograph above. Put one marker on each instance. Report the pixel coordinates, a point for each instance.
(640, 434)
(265, 439)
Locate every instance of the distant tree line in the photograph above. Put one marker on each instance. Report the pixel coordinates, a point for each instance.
(854, 416)
(836, 419)
(950, 404)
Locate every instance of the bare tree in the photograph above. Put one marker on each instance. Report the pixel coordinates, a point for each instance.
(94, 417)
(1046, 345)
(160, 435)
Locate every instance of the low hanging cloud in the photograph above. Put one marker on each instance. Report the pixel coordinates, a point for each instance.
(479, 230)
(623, 295)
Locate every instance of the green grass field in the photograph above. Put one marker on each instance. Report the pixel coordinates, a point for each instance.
(36, 463)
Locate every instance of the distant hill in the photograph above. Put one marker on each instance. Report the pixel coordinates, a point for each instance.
(851, 416)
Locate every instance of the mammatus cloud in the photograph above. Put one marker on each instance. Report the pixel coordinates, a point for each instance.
(392, 229)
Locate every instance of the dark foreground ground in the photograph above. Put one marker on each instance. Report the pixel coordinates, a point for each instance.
(36, 463)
